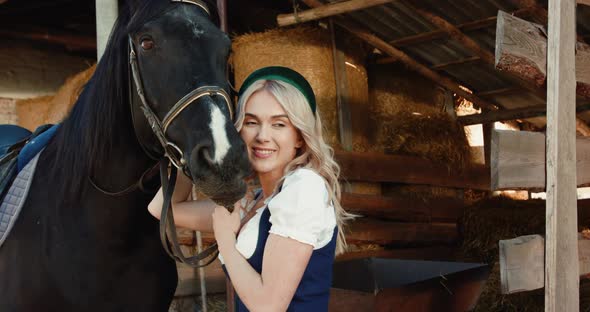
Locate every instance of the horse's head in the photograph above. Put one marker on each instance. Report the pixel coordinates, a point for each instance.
(178, 60)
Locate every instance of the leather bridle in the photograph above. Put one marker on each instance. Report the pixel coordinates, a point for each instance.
(173, 154)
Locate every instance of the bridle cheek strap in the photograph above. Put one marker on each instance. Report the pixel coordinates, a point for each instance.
(160, 128)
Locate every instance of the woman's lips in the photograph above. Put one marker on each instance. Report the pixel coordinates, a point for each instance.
(262, 152)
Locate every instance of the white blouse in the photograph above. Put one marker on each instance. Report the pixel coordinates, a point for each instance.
(301, 210)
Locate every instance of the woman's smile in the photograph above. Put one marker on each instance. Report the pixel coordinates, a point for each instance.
(262, 152)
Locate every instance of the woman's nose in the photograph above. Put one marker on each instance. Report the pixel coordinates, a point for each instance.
(263, 134)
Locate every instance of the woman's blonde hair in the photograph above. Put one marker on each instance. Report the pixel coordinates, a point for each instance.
(315, 153)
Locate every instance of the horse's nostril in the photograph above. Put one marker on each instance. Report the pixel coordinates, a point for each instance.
(205, 153)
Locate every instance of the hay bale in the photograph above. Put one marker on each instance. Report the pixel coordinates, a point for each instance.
(307, 50)
(31, 112)
(52, 108)
(408, 118)
(529, 301)
(484, 224)
(492, 219)
(492, 300)
(67, 95)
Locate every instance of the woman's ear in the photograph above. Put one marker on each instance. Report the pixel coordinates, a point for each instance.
(299, 143)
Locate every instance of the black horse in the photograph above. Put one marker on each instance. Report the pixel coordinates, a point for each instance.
(77, 248)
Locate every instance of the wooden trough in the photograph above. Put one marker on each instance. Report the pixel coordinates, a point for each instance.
(377, 284)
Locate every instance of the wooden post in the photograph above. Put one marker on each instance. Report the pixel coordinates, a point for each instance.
(326, 11)
(487, 129)
(561, 249)
(342, 98)
(106, 15)
(222, 10)
(448, 105)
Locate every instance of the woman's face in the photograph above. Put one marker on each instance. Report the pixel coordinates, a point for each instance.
(271, 139)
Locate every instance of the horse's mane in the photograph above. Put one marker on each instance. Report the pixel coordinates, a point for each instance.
(101, 117)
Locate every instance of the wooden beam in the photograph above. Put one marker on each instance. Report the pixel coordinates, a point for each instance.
(502, 115)
(518, 160)
(455, 33)
(522, 262)
(373, 231)
(326, 11)
(402, 208)
(407, 60)
(70, 41)
(561, 248)
(499, 91)
(583, 2)
(521, 50)
(437, 34)
(376, 167)
(512, 114)
(432, 253)
(536, 10)
(466, 60)
(486, 56)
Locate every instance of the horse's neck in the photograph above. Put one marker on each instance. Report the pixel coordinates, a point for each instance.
(124, 166)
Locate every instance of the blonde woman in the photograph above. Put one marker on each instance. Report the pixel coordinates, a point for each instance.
(281, 258)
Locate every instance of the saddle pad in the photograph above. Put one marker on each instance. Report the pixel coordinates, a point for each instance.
(35, 146)
(15, 198)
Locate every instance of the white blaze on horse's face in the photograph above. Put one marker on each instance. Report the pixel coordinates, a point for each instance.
(220, 141)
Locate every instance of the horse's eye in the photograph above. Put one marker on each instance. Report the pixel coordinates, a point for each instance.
(147, 44)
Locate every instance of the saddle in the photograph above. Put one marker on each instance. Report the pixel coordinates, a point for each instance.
(17, 147)
(19, 153)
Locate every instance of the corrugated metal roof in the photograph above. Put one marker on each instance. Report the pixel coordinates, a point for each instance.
(399, 19)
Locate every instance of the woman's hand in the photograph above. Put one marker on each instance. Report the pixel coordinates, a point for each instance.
(226, 225)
